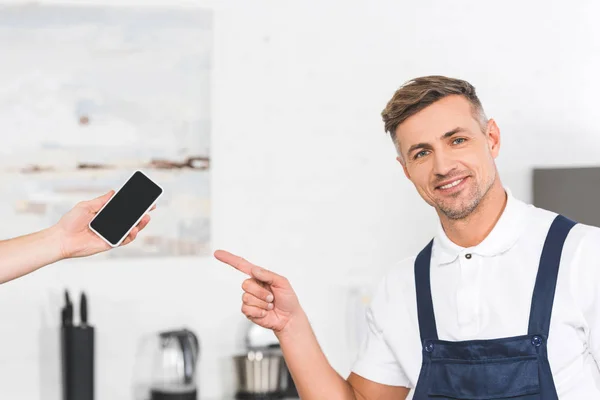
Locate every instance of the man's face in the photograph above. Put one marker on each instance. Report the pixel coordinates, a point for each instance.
(447, 156)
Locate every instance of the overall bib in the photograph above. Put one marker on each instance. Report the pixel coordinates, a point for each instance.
(508, 368)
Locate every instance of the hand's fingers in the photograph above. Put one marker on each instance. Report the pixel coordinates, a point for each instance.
(253, 312)
(251, 300)
(96, 204)
(144, 221)
(134, 232)
(153, 207)
(254, 288)
(269, 277)
(131, 237)
(235, 261)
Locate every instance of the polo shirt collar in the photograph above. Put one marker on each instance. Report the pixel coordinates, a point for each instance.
(503, 236)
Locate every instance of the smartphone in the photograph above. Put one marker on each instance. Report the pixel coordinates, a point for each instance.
(125, 208)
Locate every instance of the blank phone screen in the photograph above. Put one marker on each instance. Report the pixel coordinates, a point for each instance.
(126, 207)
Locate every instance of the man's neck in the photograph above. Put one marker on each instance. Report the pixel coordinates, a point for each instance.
(472, 230)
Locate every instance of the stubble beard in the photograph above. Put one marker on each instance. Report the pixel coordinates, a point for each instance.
(469, 204)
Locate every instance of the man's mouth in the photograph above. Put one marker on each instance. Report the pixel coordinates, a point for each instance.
(451, 184)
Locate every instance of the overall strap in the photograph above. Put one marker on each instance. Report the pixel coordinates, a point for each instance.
(427, 325)
(545, 284)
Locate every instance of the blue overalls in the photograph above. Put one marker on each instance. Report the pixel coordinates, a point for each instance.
(508, 368)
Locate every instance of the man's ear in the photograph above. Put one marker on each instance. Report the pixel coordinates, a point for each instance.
(493, 137)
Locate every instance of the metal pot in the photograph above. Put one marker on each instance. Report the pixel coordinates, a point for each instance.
(261, 375)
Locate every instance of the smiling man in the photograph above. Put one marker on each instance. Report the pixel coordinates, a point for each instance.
(504, 301)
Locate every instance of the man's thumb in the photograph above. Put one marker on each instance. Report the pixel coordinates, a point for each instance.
(268, 277)
(97, 203)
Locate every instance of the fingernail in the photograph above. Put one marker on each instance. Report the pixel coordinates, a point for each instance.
(270, 298)
(270, 306)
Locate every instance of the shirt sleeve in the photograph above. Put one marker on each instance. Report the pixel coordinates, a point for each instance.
(376, 361)
(586, 287)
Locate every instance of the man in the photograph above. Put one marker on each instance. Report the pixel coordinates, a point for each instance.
(503, 303)
(70, 237)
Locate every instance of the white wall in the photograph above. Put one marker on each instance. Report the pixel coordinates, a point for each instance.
(304, 179)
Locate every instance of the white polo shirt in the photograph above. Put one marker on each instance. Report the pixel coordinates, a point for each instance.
(484, 292)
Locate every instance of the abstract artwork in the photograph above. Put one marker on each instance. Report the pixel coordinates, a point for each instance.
(90, 94)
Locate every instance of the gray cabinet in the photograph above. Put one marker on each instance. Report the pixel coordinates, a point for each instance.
(573, 192)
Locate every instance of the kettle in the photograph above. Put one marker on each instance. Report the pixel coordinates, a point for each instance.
(174, 366)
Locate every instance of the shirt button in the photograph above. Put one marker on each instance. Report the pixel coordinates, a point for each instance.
(468, 256)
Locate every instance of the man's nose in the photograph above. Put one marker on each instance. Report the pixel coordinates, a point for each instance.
(443, 163)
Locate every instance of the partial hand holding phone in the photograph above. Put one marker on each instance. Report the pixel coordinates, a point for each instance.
(108, 221)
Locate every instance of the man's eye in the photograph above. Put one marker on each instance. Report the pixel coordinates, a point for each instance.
(421, 154)
(457, 139)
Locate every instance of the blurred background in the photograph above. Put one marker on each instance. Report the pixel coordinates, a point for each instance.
(261, 119)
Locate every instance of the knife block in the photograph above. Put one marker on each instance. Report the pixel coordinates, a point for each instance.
(77, 351)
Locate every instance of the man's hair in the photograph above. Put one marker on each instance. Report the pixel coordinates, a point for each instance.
(418, 93)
